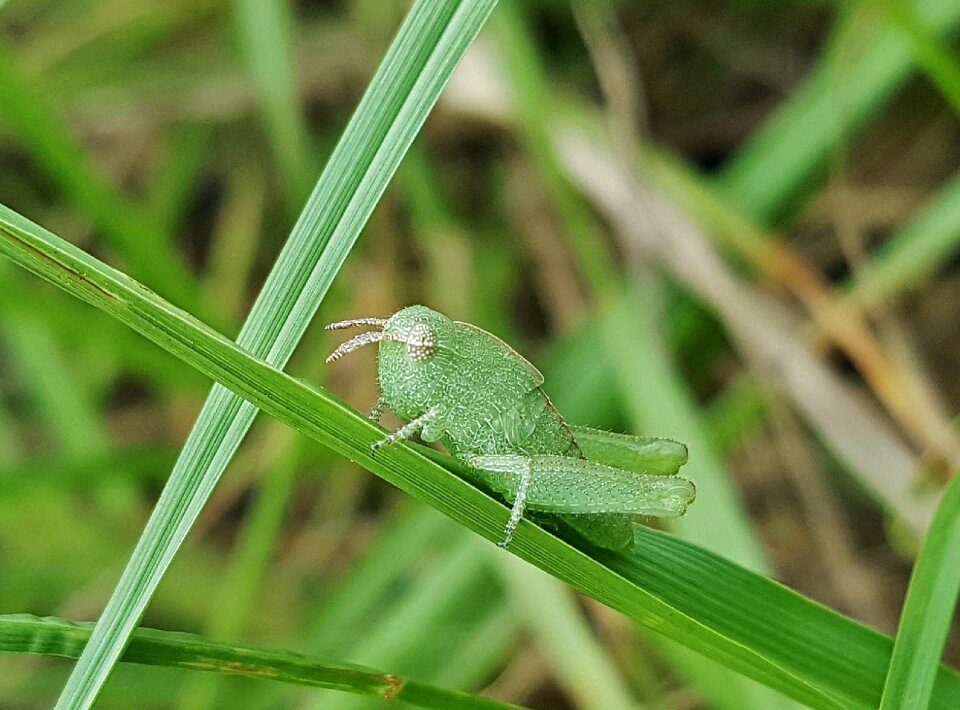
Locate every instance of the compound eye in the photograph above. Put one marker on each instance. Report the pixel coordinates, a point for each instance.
(421, 344)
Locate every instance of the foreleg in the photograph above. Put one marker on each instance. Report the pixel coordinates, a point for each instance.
(408, 429)
(378, 409)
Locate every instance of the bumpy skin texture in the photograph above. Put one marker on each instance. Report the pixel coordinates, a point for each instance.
(487, 398)
(464, 387)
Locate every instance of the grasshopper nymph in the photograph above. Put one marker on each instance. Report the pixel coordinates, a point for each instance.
(466, 388)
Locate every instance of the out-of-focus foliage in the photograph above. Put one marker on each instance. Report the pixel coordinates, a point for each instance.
(732, 223)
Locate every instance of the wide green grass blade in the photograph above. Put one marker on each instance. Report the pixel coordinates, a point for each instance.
(737, 617)
(22, 633)
(427, 48)
(927, 611)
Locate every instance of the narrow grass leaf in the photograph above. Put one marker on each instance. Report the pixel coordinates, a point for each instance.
(659, 402)
(938, 62)
(655, 400)
(927, 611)
(425, 51)
(375, 576)
(550, 614)
(415, 617)
(22, 633)
(61, 398)
(85, 471)
(176, 179)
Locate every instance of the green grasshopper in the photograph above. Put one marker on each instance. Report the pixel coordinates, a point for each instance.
(457, 384)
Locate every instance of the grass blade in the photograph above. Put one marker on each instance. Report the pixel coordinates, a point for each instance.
(655, 400)
(928, 610)
(427, 48)
(930, 53)
(22, 633)
(745, 621)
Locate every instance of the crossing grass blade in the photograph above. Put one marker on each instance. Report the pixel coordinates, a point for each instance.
(739, 618)
(425, 51)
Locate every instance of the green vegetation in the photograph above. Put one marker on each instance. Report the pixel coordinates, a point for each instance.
(692, 237)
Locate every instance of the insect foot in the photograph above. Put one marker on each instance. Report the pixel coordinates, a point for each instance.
(377, 412)
(407, 430)
(521, 469)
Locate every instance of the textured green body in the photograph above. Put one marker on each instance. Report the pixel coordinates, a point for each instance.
(459, 385)
(487, 397)
(487, 400)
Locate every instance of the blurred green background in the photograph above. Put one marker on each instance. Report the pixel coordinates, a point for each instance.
(730, 223)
